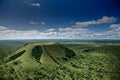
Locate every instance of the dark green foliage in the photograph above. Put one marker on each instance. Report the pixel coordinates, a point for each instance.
(15, 63)
(88, 50)
(111, 49)
(69, 53)
(26, 44)
(36, 52)
(15, 56)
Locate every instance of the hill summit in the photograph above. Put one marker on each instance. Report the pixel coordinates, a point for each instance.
(35, 54)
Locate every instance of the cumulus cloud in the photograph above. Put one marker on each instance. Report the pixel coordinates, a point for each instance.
(3, 28)
(73, 32)
(103, 20)
(6, 33)
(115, 27)
(84, 33)
(61, 33)
(69, 29)
(35, 4)
(107, 35)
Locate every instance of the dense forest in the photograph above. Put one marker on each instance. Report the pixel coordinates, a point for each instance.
(92, 62)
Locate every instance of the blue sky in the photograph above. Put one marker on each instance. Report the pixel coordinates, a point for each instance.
(59, 19)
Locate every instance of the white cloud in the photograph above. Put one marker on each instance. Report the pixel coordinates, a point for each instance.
(69, 29)
(115, 27)
(103, 20)
(37, 23)
(35, 4)
(3, 28)
(50, 30)
(65, 33)
(84, 33)
(6, 33)
(108, 35)
(74, 32)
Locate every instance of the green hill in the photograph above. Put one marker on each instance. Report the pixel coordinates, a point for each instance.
(50, 54)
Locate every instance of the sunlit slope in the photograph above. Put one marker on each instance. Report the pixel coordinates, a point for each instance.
(35, 54)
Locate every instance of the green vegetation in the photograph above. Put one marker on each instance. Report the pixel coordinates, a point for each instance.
(8, 47)
(53, 61)
(36, 52)
(15, 56)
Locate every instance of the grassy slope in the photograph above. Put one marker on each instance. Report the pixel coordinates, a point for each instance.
(51, 51)
(26, 59)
